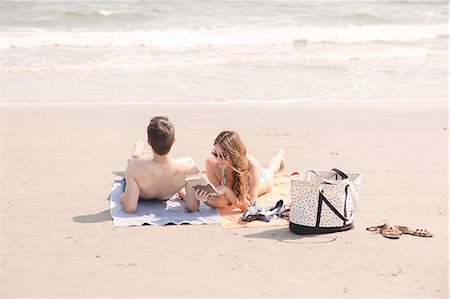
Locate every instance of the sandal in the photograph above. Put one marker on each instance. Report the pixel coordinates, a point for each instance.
(390, 232)
(418, 232)
(376, 228)
(386, 231)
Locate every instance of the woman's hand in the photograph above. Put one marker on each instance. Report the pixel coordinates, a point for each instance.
(202, 195)
(222, 189)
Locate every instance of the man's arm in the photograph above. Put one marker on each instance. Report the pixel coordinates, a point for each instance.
(129, 199)
(191, 203)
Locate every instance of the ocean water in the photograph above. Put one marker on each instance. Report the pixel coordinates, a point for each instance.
(196, 51)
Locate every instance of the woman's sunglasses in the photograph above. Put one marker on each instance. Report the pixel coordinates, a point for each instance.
(216, 155)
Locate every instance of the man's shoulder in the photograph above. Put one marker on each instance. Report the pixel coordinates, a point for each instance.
(138, 163)
(187, 165)
(186, 161)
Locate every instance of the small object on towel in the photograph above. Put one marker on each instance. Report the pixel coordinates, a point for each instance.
(265, 214)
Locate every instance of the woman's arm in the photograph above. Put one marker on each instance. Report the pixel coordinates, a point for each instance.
(232, 198)
(226, 197)
(226, 194)
(211, 167)
(219, 202)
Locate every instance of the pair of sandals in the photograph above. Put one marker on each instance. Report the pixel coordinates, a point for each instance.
(394, 232)
(256, 212)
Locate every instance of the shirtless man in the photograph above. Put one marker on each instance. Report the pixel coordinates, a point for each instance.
(159, 177)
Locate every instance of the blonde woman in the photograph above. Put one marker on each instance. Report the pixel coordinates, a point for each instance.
(236, 174)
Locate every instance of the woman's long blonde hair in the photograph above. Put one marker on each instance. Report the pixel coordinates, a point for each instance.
(233, 148)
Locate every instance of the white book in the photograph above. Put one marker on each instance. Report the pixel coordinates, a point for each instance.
(200, 182)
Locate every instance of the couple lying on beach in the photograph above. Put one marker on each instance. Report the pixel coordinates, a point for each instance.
(236, 174)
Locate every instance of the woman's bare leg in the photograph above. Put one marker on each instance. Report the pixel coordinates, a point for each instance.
(276, 163)
(139, 151)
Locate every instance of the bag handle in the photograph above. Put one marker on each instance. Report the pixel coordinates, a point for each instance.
(328, 181)
(341, 173)
(350, 185)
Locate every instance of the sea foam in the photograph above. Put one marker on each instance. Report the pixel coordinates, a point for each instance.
(224, 36)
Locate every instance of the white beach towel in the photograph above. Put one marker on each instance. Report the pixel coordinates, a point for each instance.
(158, 212)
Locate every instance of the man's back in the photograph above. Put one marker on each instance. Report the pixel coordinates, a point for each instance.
(159, 180)
(151, 179)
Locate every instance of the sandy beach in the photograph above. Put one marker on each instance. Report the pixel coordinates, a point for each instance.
(357, 85)
(58, 163)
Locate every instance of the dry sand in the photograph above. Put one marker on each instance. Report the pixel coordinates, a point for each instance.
(58, 241)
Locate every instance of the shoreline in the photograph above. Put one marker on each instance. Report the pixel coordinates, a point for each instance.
(433, 103)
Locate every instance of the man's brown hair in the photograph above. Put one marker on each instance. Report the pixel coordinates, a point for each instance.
(161, 134)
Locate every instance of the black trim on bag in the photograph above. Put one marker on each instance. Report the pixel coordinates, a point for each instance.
(341, 173)
(319, 209)
(345, 203)
(323, 198)
(343, 176)
(305, 230)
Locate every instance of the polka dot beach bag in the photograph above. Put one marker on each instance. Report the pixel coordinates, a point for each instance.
(323, 201)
